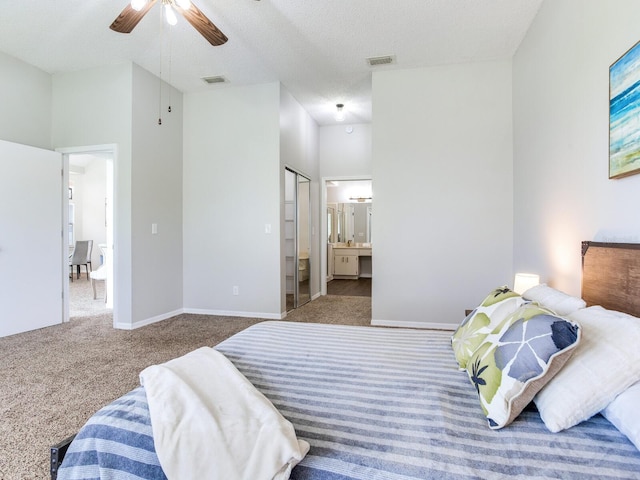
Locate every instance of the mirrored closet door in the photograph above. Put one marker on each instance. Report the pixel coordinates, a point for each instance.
(297, 239)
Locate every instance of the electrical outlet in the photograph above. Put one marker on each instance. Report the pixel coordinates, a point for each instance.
(236, 290)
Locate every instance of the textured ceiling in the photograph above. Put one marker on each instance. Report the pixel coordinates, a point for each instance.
(316, 48)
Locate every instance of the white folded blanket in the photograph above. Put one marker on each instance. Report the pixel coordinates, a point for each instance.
(210, 422)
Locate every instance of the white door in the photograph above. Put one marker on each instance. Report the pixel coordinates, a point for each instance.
(31, 272)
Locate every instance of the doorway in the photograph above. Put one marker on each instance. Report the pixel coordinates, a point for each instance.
(348, 204)
(297, 229)
(89, 176)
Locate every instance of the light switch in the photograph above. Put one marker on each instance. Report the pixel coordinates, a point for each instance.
(154, 229)
(267, 228)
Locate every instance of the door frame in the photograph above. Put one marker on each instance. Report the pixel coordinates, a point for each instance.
(296, 173)
(323, 222)
(111, 149)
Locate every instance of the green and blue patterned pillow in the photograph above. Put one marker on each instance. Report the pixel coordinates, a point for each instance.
(518, 358)
(482, 321)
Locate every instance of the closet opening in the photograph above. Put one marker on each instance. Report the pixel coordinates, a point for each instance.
(297, 231)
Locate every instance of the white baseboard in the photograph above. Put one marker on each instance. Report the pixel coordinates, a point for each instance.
(199, 311)
(148, 321)
(423, 325)
(232, 313)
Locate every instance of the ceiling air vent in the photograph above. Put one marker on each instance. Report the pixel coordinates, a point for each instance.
(216, 79)
(375, 61)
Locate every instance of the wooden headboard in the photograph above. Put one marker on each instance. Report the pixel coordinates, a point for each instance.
(611, 276)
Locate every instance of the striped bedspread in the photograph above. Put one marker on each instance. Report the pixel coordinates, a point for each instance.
(374, 403)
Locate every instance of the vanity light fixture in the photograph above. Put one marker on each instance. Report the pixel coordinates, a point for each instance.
(524, 281)
(340, 112)
(360, 199)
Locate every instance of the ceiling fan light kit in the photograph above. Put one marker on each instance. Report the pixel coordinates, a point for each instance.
(184, 4)
(169, 14)
(134, 11)
(137, 9)
(138, 5)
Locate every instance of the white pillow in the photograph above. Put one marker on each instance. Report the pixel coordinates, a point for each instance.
(624, 413)
(560, 302)
(603, 365)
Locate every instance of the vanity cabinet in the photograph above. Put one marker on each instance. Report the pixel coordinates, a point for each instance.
(351, 262)
(345, 264)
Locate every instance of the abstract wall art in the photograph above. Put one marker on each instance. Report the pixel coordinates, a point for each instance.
(624, 114)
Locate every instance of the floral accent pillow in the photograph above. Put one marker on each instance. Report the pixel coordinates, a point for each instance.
(515, 361)
(483, 320)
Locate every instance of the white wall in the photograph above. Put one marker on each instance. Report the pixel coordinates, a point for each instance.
(119, 105)
(299, 144)
(95, 192)
(93, 107)
(342, 155)
(89, 193)
(76, 204)
(25, 96)
(562, 194)
(231, 181)
(345, 154)
(443, 188)
(156, 198)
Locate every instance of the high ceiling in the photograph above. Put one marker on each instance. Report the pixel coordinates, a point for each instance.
(316, 48)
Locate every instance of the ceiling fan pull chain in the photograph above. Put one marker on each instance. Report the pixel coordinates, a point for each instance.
(160, 71)
(170, 68)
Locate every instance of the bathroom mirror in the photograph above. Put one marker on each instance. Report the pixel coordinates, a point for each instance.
(349, 211)
(349, 221)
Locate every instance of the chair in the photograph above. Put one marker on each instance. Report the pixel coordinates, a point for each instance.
(101, 273)
(81, 256)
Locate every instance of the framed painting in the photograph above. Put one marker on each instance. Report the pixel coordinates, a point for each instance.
(624, 114)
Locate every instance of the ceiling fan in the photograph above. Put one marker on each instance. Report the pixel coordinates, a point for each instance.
(133, 13)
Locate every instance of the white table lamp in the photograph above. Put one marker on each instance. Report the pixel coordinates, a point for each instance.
(524, 281)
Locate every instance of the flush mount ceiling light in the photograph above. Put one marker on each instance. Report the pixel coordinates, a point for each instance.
(340, 112)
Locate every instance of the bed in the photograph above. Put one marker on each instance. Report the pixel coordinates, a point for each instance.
(373, 403)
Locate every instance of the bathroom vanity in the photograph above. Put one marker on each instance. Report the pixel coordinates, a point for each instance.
(351, 262)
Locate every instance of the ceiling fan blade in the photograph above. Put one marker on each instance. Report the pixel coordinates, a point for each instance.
(202, 24)
(129, 18)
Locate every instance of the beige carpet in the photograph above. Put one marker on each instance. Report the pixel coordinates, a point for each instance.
(54, 378)
(81, 301)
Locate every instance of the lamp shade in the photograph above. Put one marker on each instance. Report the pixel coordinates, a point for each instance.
(524, 281)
